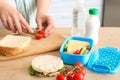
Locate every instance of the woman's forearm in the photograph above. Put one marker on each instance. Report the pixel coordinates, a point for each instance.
(42, 6)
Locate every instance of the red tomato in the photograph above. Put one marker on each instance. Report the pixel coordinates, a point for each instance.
(69, 69)
(78, 64)
(69, 78)
(83, 70)
(77, 51)
(78, 76)
(60, 77)
(41, 32)
(71, 72)
(38, 36)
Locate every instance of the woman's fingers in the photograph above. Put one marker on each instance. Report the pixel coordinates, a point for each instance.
(12, 19)
(11, 25)
(4, 21)
(39, 24)
(49, 30)
(24, 24)
(50, 26)
(45, 22)
(17, 24)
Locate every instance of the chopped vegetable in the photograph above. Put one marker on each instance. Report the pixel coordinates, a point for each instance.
(32, 71)
(38, 36)
(65, 47)
(77, 51)
(41, 32)
(88, 47)
(83, 50)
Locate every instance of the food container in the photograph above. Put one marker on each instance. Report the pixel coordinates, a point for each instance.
(72, 58)
(102, 60)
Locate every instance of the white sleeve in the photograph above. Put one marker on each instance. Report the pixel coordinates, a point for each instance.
(28, 9)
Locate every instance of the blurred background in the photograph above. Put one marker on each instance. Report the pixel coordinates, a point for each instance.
(62, 11)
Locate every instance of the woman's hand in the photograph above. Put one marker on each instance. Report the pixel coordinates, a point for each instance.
(42, 19)
(46, 22)
(12, 19)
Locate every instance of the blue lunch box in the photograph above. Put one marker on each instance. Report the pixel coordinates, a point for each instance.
(102, 60)
(72, 58)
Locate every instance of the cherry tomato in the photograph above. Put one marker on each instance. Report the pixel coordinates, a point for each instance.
(38, 36)
(78, 76)
(69, 69)
(83, 70)
(69, 77)
(41, 32)
(77, 51)
(60, 77)
(72, 73)
(78, 64)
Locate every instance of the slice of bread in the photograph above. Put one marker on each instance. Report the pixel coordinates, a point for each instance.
(14, 44)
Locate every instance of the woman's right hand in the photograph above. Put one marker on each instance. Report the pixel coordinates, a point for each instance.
(12, 19)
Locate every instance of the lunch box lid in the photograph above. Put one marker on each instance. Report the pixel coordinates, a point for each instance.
(104, 60)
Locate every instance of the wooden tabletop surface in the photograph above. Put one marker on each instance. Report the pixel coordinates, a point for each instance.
(17, 69)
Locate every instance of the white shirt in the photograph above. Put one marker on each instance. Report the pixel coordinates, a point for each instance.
(27, 8)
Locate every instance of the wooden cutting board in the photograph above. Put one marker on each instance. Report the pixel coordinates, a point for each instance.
(50, 43)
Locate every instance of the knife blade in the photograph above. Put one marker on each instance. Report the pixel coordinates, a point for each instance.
(27, 32)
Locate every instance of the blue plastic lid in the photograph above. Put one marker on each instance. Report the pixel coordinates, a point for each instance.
(105, 60)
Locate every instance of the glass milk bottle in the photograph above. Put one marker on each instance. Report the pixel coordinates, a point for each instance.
(79, 17)
(93, 25)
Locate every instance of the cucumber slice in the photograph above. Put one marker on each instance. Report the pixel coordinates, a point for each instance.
(88, 47)
(65, 47)
(83, 50)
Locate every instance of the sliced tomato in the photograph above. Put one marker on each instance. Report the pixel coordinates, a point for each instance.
(77, 51)
(78, 64)
(38, 36)
(41, 32)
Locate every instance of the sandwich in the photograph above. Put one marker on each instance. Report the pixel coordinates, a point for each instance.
(45, 65)
(14, 44)
(74, 45)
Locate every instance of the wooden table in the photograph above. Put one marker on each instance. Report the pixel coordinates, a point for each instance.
(17, 69)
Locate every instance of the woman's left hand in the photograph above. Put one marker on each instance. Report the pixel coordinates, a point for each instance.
(45, 22)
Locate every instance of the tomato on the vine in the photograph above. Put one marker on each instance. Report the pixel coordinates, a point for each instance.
(61, 77)
(76, 72)
(78, 76)
(69, 77)
(78, 64)
(83, 70)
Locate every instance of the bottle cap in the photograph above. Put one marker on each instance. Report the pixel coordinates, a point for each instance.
(93, 11)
